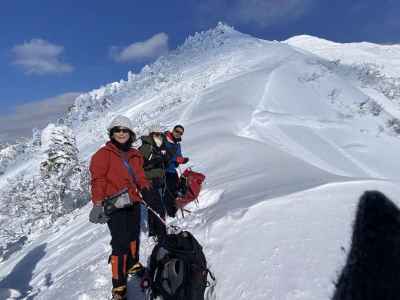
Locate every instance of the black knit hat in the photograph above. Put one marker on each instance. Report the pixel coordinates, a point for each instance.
(179, 126)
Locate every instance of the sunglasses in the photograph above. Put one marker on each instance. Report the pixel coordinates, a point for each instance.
(124, 130)
(178, 132)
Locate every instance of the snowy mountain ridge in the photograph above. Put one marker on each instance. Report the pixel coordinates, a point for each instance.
(162, 74)
(384, 56)
(288, 141)
(374, 64)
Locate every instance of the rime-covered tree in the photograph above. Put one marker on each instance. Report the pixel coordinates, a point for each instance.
(62, 171)
(33, 202)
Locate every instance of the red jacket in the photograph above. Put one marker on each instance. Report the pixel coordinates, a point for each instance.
(109, 175)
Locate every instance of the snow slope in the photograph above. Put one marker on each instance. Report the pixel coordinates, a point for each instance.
(386, 56)
(372, 68)
(287, 146)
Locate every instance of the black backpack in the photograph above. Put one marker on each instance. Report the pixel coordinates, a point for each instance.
(178, 269)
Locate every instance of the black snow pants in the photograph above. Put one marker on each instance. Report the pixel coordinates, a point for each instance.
(172, 182)
(124, 225)
(153, 198)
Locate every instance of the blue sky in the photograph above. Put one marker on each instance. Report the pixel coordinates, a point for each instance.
(52, 50)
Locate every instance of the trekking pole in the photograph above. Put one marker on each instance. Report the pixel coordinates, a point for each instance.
(174, 228)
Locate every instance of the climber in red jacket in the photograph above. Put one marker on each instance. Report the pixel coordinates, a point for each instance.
(117, 182)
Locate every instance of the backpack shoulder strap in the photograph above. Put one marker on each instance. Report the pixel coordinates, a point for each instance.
(130, 170)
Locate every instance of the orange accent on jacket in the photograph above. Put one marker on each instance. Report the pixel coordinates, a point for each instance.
(109, 175)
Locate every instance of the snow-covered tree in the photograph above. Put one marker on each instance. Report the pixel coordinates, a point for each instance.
(62, 171)
(32, 203)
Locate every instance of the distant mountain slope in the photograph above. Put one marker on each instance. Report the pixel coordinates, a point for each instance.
(387, 57)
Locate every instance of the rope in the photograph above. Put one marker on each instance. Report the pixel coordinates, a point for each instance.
(145, 204)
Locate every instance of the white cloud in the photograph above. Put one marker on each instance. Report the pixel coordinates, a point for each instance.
(40, 57)
(154, 47)
(261, 13)
(34, 114)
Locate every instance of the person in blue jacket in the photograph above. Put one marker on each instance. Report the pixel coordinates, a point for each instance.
(173, 146)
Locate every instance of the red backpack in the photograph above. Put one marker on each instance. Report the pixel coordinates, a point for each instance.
(189, 187)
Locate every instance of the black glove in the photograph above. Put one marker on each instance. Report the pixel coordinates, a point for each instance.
(97, 215)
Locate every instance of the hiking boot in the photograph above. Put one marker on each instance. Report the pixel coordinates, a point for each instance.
(136, 270)
(119, 293)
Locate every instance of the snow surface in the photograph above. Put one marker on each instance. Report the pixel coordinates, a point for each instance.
(286, 150)
(386, 56)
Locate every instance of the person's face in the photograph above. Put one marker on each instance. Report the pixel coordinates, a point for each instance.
(121, 134)
(156, 135)
(177, 133)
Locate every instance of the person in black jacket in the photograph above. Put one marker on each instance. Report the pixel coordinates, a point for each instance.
(155, 161)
